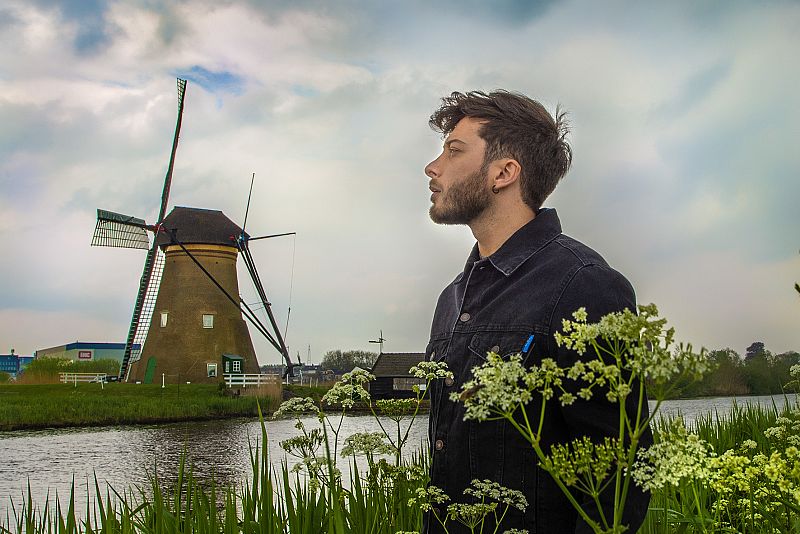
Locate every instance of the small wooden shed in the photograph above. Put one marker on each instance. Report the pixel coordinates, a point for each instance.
(392, 379)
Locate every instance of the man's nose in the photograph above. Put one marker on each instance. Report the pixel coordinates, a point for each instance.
(431, 170)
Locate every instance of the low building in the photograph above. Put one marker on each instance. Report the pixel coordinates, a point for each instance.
(82, 351)
(392, 377)
(9, 363)
(14, 364)
(301, 372)
(23, 362)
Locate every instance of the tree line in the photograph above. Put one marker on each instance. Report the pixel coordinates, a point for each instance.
(344, 361)
(758, 372)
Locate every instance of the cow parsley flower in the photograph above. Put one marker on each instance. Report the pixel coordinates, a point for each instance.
(430, 371)
(349, 390)
(499, 386)
(582, 463)
(426, 497)
(679, 456)
(366, 443)
(640, 343)
(486, 489)
(296, 406)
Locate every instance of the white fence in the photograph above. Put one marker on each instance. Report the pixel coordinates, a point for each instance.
(244, 381)
(74, 378)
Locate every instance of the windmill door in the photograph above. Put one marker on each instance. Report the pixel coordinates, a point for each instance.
(150, 370)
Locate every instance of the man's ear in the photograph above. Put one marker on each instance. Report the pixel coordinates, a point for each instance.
(505, 172)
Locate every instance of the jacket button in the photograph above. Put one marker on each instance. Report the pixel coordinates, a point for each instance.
(496, 349)
(448, 381)
(464, 317)
(439, 445)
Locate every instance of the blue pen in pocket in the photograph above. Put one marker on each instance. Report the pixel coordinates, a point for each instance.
(528, 344)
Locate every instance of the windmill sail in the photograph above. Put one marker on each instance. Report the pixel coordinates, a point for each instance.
(117, 230)
(139, 325)
(146, 312)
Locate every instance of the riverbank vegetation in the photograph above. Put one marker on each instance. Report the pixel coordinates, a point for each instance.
(91, 404)
(47, 370)
(315, 392)
(759, 372)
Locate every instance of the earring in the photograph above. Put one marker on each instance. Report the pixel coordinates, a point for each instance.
(494, 189)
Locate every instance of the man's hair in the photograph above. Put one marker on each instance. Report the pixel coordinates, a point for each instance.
(515, 127)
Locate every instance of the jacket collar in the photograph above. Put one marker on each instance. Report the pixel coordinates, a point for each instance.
(523, 244)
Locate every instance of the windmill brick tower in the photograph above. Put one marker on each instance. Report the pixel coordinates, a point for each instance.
(195, 331)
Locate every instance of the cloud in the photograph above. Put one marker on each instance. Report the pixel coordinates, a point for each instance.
(684, 176)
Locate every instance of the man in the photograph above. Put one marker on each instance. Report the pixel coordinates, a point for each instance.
(503, 155)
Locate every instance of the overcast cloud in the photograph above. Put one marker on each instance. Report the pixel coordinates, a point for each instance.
(685, 176)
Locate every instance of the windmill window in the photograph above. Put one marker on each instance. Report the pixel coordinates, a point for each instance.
(237, 366)
(164, 316)
(212, 370)
(208, 321)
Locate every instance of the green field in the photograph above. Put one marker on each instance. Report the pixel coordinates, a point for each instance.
(63, 405)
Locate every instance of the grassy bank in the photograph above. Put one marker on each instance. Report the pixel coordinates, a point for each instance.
(63, 405)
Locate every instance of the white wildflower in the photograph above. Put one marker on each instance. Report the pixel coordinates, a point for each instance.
(296, 405)
(349, 390)
(679, 456)
(367, 443)
(498, 387)
(430, 371)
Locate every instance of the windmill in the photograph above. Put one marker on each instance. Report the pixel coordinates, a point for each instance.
(379, 341)
(189, 276)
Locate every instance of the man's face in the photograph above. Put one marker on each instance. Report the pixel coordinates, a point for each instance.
(459, 185)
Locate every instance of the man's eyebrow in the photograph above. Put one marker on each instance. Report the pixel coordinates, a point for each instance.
(451, 141)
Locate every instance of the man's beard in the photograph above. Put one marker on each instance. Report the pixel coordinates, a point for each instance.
(463, 201)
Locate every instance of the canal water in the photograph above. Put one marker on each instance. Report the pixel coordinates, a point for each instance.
(51, 461)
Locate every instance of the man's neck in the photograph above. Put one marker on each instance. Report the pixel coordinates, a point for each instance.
(493, 227)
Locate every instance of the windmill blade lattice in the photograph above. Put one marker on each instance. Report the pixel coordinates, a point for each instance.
(145, 283)
(148, 307)
(121, 231)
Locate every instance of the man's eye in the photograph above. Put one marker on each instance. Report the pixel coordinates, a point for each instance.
(452, 150)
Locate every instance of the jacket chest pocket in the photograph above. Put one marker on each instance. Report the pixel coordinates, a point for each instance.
(504, 343)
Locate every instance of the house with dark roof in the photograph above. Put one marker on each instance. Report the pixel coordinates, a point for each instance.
(392, 377)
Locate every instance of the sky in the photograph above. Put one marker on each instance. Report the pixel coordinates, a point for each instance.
(685, 126)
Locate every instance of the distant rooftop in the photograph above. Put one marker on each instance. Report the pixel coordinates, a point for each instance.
(89, 345)
(396, 364)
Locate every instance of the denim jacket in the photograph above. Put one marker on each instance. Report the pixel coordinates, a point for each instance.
(513, 302)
